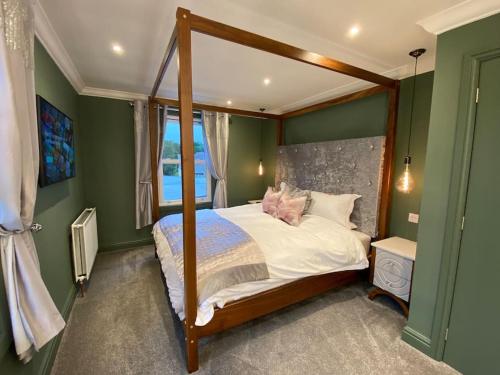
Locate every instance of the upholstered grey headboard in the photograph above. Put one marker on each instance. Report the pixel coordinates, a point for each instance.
(338, 167)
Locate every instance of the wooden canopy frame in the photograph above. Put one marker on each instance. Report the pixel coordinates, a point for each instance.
(251, 307)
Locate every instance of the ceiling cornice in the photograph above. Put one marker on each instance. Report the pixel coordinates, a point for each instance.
(458, 15)
(53, 45)
(113, 94)
(46, 34)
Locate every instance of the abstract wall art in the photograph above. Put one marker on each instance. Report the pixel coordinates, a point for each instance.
(57, 153)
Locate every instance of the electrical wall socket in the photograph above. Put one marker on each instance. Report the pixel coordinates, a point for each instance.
(413, 218)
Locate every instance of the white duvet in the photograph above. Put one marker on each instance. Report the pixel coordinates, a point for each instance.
(316, 246)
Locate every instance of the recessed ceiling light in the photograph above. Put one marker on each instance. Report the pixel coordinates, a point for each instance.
(118, 49)
(267, 81)
(354, 30)
(229, 102)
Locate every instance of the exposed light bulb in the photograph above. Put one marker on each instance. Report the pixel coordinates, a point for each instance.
(267, 81)
(229, 102)
(406, 183)
(261, 169)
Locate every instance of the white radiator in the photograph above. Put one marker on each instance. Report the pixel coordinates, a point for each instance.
(84, 233)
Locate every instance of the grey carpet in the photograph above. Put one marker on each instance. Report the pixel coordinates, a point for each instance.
(124, 326)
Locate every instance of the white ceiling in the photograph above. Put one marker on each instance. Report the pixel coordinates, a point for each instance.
(222, 70)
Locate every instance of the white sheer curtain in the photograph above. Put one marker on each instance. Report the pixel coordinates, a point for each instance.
(216, 137)
(143, 183)
(34, 317)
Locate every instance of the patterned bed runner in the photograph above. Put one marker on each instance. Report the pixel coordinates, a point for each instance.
(226, 255)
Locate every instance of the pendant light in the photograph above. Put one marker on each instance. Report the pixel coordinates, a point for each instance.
(405, 183)
(261, 167)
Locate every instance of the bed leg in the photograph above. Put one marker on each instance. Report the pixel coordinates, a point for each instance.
(192, 353)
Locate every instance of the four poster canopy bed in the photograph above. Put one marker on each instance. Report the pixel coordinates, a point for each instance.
(228, 266)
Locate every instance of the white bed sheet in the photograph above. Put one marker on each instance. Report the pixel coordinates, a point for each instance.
(316, 246)
(365, 239)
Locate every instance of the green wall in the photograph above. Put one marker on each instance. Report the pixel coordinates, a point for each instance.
(108, 150)
(452, 46)
(57, 207)
(402, 204)
(244, 153)
(366, 118)
(268, 152)
(361, 118)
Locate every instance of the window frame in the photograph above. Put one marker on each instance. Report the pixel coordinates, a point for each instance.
(208, 175)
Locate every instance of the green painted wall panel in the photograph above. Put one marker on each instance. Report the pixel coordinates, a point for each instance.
(59, 204)
(361, 118)
(57, 207)
(268, 153)
(108, 149)
(402, 204)
(479, 36)
(244, 152)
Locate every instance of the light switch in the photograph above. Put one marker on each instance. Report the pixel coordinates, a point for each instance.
(413, 218)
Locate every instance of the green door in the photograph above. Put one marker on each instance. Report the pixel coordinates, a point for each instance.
(473, 344)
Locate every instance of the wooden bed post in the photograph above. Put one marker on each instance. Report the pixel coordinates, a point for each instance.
(153, 148)
(251, 307)
(154, 121)
(188, 193)
(385, 194)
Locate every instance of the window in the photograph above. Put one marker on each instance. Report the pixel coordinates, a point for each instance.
(170, 172)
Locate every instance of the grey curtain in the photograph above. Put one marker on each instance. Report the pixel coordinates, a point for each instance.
(34, 317)
(143, 183)
(161, 132)
(216, 137)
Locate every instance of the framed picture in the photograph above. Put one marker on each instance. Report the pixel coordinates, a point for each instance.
(57, 152)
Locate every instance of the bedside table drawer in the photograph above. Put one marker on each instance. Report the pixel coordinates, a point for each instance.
(394, 284)
(391, 270)
(391, 263)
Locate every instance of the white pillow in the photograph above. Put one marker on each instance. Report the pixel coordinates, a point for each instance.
(337, 208)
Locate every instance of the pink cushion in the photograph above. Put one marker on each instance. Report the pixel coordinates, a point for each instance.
(270, 202)
(290, 209)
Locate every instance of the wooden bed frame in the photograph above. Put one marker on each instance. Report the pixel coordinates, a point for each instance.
(249, 308)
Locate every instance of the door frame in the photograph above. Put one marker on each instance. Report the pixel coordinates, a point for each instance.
(457, 198)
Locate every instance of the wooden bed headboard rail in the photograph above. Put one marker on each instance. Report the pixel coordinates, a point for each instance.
(180, 40)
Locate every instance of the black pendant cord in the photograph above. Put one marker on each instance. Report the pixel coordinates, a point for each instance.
(412, 105)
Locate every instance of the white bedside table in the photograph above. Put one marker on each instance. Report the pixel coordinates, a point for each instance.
(392, 269)
(255, 201)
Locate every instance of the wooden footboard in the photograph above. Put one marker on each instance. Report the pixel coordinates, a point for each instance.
(252, 307)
